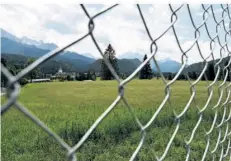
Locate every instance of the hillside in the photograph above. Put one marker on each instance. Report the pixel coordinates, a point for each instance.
(198, 67)
(167, 65)
(71, 65)
(125, 65)
(131, 55)
(49, 67)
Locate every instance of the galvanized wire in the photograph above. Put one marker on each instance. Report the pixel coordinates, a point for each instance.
(219, 123)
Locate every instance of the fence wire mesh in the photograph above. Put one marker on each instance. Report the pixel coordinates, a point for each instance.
(222, 144)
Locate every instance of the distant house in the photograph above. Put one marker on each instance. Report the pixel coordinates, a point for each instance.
(63, 75)
(60, 74)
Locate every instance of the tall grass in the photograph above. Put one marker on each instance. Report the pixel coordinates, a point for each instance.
(70, 108)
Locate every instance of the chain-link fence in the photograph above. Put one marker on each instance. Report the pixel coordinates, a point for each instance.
(222, 144)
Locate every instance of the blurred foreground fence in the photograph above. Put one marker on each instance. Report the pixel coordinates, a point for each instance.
(223, 146)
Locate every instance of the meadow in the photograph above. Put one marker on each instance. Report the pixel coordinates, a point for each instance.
(70, 108)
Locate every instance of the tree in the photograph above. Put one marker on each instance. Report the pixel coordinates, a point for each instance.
(80, 76)
(3, 61)
(181, 77)
(210, 72)
(69, 78)
(170, 76)
(32, 74)
(194, 75)
(123, 76)
(204, 77)
(109, 54)
(91, 75)
(3, 77)
(13, 69)
(190, 75)
(146, 71)
(23, 81)
(229, 71)
(157, 76)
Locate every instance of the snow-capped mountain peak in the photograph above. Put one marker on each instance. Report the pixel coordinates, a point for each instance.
(8, 35)
(25, 40)
(40, 44)
(28, 41)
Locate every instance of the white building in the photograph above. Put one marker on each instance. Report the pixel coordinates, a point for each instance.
(60, 70)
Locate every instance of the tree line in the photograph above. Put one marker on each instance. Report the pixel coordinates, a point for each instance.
(110, 55)
(105, 74)
(14, 69)
(147, 73)
(37, 73)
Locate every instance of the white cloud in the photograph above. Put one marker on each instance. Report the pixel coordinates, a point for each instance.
(121, 26)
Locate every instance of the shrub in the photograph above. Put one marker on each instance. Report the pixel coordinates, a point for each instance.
(23, 81)
(69, 78)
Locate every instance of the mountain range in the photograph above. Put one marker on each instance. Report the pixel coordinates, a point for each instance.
(27, 47)
(166, 65)
(24, 40)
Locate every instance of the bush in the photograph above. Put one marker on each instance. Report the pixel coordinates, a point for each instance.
(80, 77)
(182, 77)
(93, 77)
(62, 79)
(69, 78)
(23, 81)
(123, 76)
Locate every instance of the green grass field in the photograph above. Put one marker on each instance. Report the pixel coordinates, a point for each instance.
(70, 108)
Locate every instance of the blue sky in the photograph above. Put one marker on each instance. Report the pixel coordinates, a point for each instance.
(121, 26)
